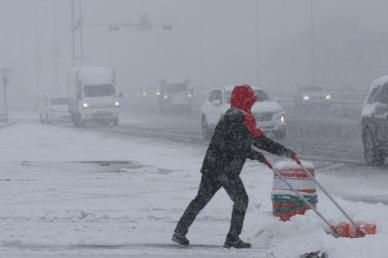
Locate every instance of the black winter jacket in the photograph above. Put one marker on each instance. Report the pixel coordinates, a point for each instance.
(231, 145)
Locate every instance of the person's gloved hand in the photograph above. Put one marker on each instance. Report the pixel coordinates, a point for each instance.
(296, 159)
(259, 156)
(292, 155)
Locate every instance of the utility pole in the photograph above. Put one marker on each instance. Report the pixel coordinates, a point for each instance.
(77, 25)
(72, 31)
(81, 33)
(257, 28)
(312, 42)
(5, 74)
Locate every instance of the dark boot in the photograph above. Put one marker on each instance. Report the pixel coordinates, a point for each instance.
(236, 243)
(180, 239)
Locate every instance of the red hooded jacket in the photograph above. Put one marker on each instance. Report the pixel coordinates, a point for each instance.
(243, 98)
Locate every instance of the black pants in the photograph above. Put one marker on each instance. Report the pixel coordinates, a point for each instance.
(207, 188)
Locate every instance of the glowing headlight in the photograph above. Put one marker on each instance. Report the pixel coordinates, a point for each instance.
(158, 93)
(306, 97)
(282, 119)
(85, 105)
(165, 96)
(189, 96)
(116, 104)
(144, 93)
(328, 97)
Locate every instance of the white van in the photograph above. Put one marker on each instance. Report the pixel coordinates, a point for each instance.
(92, 95)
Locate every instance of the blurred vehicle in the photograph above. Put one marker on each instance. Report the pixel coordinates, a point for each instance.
(374, 123)
(92, 94)
(312, 96)
(174, 95)
(270, 115)
(54, 109)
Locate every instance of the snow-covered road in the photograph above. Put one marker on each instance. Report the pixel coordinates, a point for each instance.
(79, 193)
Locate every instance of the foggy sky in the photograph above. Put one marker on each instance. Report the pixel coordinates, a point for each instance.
(213, 42)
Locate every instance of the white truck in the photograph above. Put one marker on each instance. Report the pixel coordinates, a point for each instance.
(92, 95)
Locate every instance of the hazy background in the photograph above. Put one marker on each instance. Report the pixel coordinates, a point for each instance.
(213, 42)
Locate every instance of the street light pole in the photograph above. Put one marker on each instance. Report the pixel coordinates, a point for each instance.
(81, 33)
(257, 27)
(78, 24)
(312, 42)
(72, 31)
(5, 74)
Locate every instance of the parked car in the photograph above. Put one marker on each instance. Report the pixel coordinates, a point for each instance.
(374, 119)
(312, 96)
(54, 109)
(269, 114)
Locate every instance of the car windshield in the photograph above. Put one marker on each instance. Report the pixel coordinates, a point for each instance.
(59, 101)
(171, 88)
(312, 89)
(101, 90)
(261, 96)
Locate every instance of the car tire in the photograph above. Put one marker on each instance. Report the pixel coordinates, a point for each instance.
(206, 131)
(373, 155)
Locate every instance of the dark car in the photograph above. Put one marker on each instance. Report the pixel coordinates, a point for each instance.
(375, 123)
(312, 96)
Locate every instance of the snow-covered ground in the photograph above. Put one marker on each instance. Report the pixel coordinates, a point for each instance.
(79, 193)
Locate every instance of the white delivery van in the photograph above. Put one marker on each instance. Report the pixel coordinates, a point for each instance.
(92, 95)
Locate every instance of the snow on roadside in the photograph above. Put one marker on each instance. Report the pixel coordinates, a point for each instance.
(51, 206)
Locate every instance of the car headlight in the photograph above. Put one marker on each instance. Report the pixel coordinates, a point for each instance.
(165, 97)
(306, 97)
(328, 97)
(158, 93)
(85, 105)
(116, 104)
(189, 95)
(283, 119)
(144, 94)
